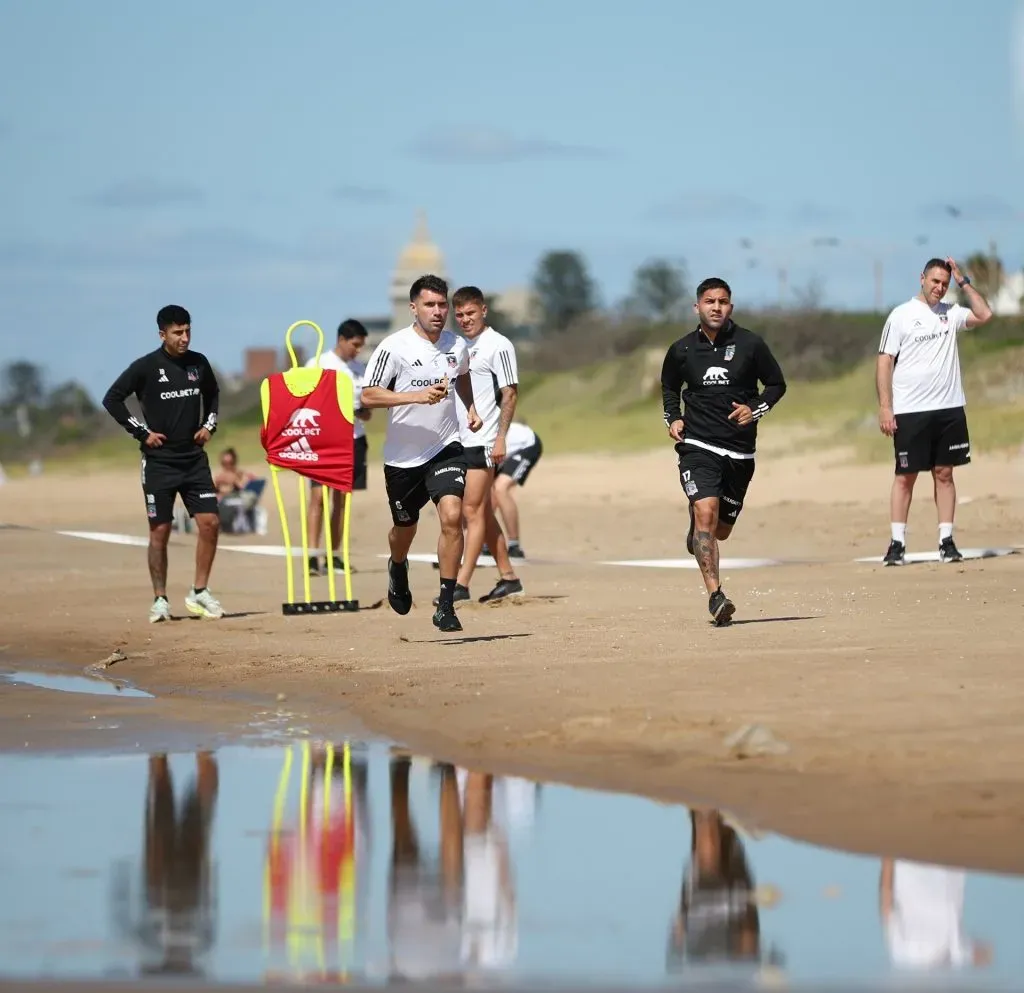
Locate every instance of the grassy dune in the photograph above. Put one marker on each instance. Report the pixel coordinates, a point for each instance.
(615, 406)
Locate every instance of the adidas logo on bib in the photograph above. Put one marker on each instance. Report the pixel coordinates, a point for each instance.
(300, 451)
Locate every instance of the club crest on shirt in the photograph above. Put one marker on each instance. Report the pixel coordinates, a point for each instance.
(193, 373)
(943, 318)
(453, 362)
(730, 351)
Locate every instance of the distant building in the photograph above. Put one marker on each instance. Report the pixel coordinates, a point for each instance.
(1009, 301)
(419, 258)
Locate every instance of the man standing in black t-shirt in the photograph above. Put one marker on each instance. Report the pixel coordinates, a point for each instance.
(178, 393)
(714, 372)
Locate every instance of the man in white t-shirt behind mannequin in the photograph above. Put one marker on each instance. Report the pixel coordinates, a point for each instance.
(495, 376)
(410, 374)
(921, 398)
(342, 358)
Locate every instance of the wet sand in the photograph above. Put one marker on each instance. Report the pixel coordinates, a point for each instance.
(898, 692)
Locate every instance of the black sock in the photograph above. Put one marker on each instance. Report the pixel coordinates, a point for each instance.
(160, 596)
(447, 597)
(198, 590)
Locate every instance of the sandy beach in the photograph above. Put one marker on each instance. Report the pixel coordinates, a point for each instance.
(898, 692)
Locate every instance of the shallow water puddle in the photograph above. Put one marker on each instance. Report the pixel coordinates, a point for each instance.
(92, 684)
(308, 863)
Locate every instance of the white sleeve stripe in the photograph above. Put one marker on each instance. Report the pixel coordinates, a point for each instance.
(760, 410)
(378, 370)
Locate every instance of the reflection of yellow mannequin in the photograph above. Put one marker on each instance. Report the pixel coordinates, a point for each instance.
(310, 875)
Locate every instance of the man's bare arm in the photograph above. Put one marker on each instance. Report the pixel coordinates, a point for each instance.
(464, 389)
(509, 399)
(883, 380)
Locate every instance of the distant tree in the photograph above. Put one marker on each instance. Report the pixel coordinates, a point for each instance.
(659, 291)
(22, 385)
(496, 317)
(70, 400)
(564, 290)
(986, 272)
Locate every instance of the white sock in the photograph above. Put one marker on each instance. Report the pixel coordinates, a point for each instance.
(945, 531)
(899, 532)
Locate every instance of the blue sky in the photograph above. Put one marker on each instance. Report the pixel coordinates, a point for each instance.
(262, 163)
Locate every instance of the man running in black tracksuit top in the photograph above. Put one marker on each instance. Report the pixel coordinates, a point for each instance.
(709, 386)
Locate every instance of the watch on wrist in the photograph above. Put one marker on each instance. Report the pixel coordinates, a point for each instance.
(966, 281)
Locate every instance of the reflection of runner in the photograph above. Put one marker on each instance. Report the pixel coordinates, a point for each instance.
(177, 926)
(717, 920)
(425, 897)
(922, 915)
(317, 868)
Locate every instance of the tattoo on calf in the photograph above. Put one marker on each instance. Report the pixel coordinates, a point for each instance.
(706, 546)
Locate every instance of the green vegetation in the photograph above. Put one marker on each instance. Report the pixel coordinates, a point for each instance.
(596, 387)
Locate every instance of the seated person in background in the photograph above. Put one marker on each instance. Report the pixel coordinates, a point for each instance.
(238, 492)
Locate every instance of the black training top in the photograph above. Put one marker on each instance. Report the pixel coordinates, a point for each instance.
(707, 378)
(175, 395)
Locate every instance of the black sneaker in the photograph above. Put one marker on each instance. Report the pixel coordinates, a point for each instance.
(446, 620)
(948, 552)
(689, 534)
(896, 554)
(339, 565)
(504, 588)
(314, 565)
(399, 594)
(461, 593)
(721, 608)
(515, 552)
(486, 551)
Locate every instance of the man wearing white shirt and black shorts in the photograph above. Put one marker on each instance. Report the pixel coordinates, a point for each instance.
(921, 399)
(495, 378)
(523, 450)
(410, 374)
(342, 358)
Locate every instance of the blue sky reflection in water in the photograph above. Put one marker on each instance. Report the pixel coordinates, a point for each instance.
(597, 878)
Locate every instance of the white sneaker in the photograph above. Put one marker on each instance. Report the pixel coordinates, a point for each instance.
(203, 604)
(160, 611)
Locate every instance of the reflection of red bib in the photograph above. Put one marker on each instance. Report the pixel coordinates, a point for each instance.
(310, 434)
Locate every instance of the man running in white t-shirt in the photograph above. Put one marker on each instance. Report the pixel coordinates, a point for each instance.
(523, 450)
(409, 374)
(342, 358)
(495, 377)
(921, 398)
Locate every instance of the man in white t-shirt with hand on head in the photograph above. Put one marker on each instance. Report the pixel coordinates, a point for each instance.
(921, 398)
(494, 374)
(410, 374)
(342, 358)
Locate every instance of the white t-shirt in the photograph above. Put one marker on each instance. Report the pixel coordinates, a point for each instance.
(492, 367)
(925, 927)
(355, 369)
(518, 437)
(405, 362)
(923, 339)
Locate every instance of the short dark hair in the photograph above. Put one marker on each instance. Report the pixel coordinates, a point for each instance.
(351, 329)
(231, 452)
(713, 283)
(428, 284)
(468, 294)
(937, 264)
(172, 314)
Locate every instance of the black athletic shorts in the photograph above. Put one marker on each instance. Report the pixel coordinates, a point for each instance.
(168, 475)
(519, 464)
(409, 490)
(931, 438)
(707, 474)
(477, 457)
(362, 446)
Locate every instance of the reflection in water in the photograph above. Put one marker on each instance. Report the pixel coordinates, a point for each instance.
(313, 881)
(922, 914)
(352, 863)
(174, 922)
(718, 919)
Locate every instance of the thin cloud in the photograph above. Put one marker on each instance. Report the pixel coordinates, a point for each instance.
(1017, 59)
(486, 147)
(145, 194)
(814, 213)
(982, 209)
(353, 193)
(706, 206)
